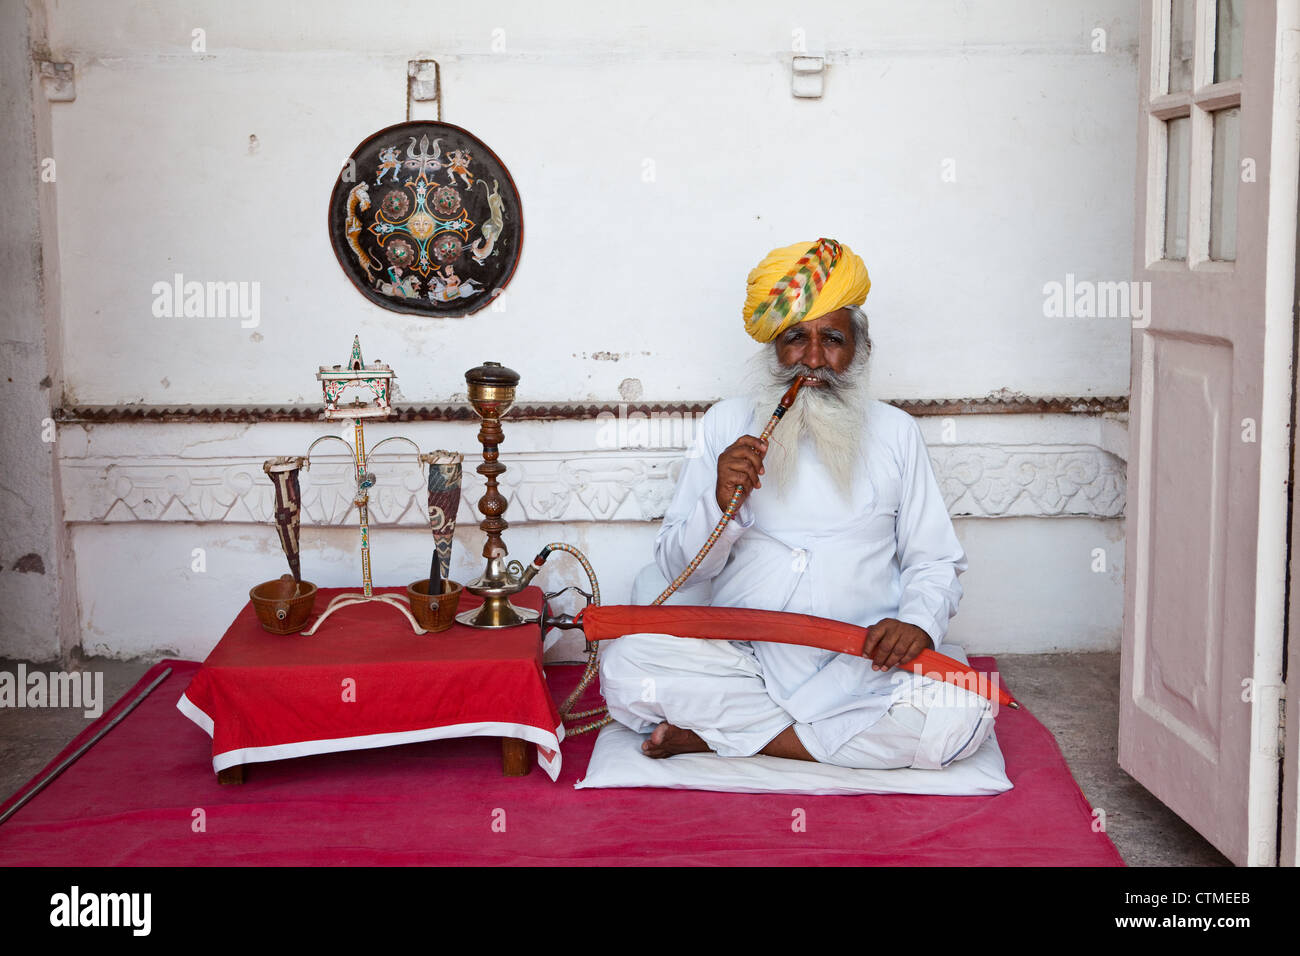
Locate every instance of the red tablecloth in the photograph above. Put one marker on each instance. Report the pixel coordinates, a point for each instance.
(366, 680)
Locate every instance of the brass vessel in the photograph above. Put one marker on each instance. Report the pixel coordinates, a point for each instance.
(492, 394)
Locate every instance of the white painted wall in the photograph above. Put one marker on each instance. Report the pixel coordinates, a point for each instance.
(219, 165)
(158, 175)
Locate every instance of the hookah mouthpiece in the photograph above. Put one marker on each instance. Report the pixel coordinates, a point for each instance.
(786, 401)
(788, 398)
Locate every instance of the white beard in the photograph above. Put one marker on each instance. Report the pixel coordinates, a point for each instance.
(833, 417)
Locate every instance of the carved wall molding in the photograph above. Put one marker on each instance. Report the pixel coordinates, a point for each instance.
(1012, 481)
(1003, 402)
(630, 485)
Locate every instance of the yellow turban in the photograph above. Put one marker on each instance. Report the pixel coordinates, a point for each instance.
(801, 282)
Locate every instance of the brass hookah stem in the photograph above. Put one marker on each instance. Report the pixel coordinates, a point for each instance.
(493, 504)
(786, 401)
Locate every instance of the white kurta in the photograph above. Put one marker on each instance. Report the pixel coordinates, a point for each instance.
(889, 552)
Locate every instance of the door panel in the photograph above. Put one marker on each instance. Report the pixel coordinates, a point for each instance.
(1180, 659)
(1208, 467)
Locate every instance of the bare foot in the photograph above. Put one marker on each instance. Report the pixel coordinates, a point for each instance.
(667, 740)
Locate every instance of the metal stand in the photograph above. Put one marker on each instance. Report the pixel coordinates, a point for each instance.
(376, 378)
(347, 600)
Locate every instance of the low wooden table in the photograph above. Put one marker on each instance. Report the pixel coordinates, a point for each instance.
(366, 680)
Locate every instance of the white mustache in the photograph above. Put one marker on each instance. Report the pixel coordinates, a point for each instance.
(834, 380)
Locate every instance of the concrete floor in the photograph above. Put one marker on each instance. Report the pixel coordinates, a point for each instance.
(1075, 695)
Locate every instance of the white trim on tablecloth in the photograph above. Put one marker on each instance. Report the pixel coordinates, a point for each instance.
(546, 742)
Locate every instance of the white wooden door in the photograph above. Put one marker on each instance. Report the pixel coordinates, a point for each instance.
(1205, 579)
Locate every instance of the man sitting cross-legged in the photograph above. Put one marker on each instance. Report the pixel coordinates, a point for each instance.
(841, 517)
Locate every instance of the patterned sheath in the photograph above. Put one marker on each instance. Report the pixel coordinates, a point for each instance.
(283, 473)
(444, 501)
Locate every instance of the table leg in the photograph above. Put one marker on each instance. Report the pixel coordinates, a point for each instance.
(231, 775)
(514, 757)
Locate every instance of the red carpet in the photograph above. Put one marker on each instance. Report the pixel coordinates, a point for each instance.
(132, 800)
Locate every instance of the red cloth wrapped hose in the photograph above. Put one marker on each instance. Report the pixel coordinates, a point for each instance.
(611, 621)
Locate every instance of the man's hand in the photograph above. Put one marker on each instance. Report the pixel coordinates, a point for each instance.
(740, 464)
(892, 643)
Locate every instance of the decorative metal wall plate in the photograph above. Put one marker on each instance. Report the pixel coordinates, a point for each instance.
(425, 219)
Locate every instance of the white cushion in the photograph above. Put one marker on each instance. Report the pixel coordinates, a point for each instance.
(617, 761)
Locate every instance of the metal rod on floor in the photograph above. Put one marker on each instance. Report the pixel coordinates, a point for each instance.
(72, 758)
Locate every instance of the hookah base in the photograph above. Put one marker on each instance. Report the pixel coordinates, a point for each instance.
(497, 612)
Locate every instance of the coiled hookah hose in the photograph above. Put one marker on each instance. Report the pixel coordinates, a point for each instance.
(566, 709)
(786, 401)
(567, 712)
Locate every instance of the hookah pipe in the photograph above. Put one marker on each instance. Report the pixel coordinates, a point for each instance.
(566, 709)
(711, 622)
(747, 624)
(782, 407)
(610, 622)
(603, 623)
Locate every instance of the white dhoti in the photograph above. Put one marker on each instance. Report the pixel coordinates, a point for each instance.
(717, 689)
